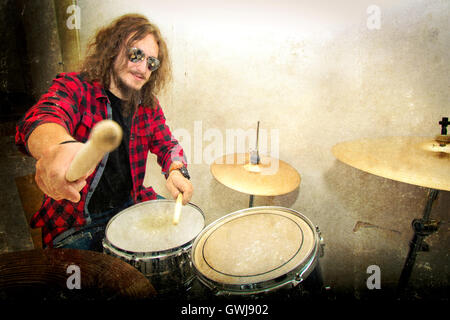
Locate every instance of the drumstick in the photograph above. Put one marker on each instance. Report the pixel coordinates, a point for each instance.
(105, 137)
(178, 204)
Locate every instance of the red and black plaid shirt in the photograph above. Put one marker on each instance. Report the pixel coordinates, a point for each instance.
(78, 105)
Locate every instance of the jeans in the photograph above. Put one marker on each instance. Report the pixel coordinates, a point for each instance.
(90, 236)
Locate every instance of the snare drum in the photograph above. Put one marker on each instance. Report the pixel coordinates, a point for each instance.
(256, 250)
(144, 236)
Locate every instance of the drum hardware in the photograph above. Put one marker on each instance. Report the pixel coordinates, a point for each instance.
(254, 159)
(422, 228)
(444, 123)
(415, 160)
(136, 261)
(299, 276)
(254, 288)
(443, 139)
(321, 242)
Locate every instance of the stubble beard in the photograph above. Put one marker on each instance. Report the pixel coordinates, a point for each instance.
(130, 96)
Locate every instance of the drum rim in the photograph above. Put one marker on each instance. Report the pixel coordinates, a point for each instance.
(307, 264)
(153, 254)
(290, 277)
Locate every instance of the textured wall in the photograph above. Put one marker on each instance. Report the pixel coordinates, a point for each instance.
(43, 49)
(315, 75)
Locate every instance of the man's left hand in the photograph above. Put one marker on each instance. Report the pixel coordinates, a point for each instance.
(177, 183)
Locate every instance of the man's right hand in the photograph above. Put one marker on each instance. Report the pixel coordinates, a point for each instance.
(51, 168)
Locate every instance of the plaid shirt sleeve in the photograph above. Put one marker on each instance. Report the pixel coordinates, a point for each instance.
(62, 104)
(58, 105)
(150, 133)
(163, 144)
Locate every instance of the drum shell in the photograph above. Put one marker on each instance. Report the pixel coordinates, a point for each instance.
(288, 280)
(166, 272)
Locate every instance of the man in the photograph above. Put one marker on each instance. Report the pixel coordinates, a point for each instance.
(126, 65)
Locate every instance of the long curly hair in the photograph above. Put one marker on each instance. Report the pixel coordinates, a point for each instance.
(108, 43)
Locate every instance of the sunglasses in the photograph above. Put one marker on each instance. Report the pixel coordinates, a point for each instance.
(136, 55)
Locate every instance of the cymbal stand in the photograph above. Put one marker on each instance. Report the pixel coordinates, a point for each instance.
(250, 203)
(422, 228)
(254, 159)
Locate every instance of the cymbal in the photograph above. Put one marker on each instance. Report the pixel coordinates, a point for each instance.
(271, 177)
(419, 161)
(43, 275)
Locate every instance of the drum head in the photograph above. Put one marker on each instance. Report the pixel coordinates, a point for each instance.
(254, 245)
(148, 227)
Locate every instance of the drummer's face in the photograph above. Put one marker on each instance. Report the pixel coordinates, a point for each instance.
(135, 74)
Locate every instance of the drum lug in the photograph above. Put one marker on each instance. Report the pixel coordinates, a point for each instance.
(136, 262)
(321, 243)
(185, 250)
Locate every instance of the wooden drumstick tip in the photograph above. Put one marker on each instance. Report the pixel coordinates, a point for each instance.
(106, 135)
(178, 204)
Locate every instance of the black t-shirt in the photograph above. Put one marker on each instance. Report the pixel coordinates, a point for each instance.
(115, 184)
